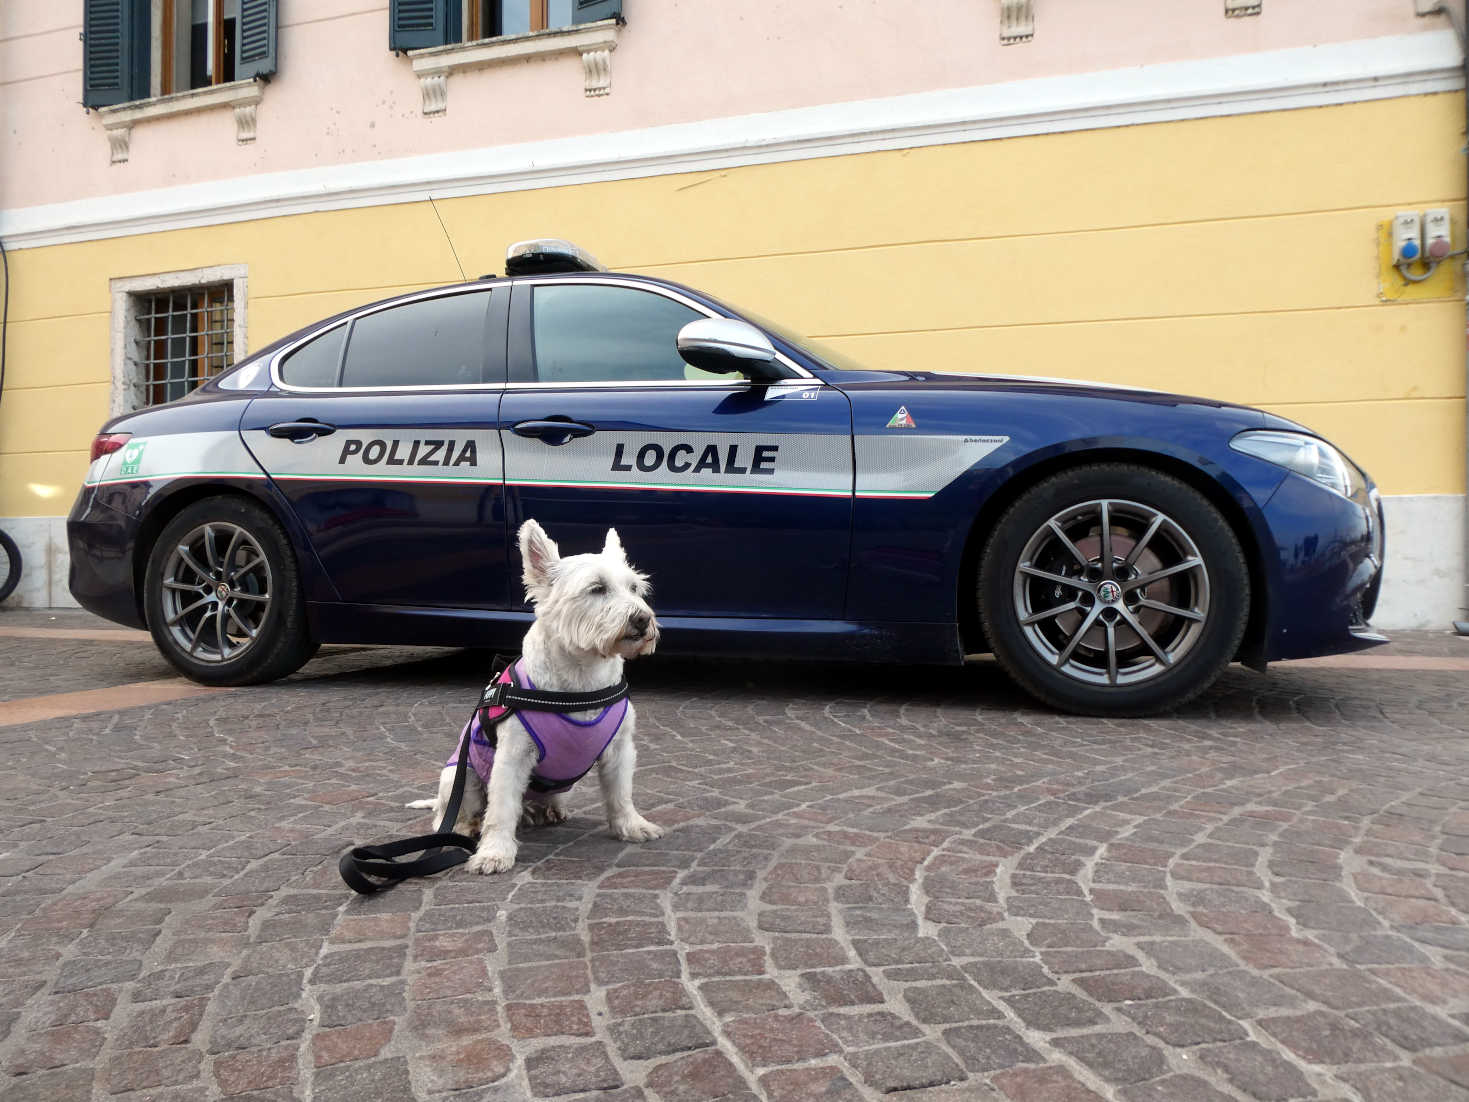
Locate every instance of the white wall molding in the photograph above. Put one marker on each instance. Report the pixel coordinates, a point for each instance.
(594, 41)
(242, 95)
(1017, 21)
(1346, 72)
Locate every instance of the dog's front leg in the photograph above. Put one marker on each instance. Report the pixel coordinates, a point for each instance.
(615, 772)
(515, 757)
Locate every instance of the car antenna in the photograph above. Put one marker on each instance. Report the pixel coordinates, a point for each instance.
(453, 251)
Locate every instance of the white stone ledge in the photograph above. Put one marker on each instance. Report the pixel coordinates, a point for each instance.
(242, 95)
(593, 41)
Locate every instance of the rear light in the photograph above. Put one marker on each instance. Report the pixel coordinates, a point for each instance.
(108, 442)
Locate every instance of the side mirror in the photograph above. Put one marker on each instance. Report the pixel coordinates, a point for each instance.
(729, 346)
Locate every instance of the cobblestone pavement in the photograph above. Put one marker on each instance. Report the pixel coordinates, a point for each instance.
(877, 880)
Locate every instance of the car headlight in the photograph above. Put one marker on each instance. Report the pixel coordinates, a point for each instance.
(1306, 455)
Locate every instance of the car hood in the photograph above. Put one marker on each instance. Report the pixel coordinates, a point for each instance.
(906, 381)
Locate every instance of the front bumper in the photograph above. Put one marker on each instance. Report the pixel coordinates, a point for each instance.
(1329, 559)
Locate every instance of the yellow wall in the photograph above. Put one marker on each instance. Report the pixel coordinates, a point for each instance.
(1232, 257)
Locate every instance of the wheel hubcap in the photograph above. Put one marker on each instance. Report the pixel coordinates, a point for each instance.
(1111, 592)
(216, 592)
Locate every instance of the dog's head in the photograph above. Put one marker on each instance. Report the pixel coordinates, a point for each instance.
(596, 604)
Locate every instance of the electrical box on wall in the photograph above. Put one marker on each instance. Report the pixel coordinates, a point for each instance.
(1417, 241)
(1407, 237)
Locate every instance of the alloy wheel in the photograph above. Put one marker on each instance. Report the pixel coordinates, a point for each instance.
(216, 592)
(1111, 592)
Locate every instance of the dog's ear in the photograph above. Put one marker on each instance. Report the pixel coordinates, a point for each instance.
(613, 545)
(541, 557)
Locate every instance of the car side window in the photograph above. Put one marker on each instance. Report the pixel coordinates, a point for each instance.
(432, 342)
(315, 363)
(599, 333)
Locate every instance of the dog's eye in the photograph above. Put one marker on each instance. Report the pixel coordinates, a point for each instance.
(597, 589)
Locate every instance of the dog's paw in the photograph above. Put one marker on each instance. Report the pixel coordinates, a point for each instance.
(637, 829)
(555, 813)
(494, 856)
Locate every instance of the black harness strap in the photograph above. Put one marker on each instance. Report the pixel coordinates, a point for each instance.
(369, 869)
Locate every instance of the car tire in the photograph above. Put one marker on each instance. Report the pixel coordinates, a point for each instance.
(222, 595)
(1101, 639)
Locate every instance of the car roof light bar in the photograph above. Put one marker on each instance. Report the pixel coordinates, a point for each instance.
(548, 254)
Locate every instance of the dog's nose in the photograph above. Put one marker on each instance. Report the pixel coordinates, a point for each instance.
(639, 623)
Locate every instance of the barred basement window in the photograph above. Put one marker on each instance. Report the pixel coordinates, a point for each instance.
(183, 338)
(173, 331)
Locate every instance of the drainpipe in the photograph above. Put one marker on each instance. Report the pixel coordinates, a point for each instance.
(1425, 7)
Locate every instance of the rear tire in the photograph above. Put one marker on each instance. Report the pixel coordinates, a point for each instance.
(10, 576)
(1114, 590)
(222, 595)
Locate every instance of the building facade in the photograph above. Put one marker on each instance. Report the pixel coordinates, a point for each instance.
(1191, 197)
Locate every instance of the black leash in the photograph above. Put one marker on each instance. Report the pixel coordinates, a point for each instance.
(369, 869)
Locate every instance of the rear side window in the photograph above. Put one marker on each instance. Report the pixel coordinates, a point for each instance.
(596, 333)
(432, 342)
(315, 363)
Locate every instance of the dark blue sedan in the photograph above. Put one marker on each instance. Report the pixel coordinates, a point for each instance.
(361, 481)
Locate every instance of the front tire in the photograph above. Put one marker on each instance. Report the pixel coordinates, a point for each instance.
(1114, 590)
(222, 595)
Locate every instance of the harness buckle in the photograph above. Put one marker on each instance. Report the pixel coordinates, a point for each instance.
(494, 694)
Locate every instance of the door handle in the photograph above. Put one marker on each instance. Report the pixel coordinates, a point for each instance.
(301, 431)
(554, 433)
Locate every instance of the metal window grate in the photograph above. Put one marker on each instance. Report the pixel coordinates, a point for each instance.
(182, 338)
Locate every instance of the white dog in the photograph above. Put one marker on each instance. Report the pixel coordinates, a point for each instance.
(591, 615)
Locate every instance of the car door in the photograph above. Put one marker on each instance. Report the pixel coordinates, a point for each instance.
(735, 497)
(381, 434)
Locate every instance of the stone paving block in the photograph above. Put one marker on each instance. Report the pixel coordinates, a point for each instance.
(368, 1081)
(1402, 1084)
(1258, 1071)
(1173, 1088)
(350, 1043)
(727, 960)
(841, 987)
(564, 1069)
(729, 998)
(255, 1069)
(263, 1027)
(1043, 1085)
(644, 1038)
(1183, 1022)
(553, 1018)
(651, 997)
(827, 1083)
(1118, 1058)
(948, 1002)
(766, 1040)
(990, 1048)
(1054, 1010)
(1321, 1037)
(865, 1029)
(697, 1077)
(1339, 988)
(906, 1067)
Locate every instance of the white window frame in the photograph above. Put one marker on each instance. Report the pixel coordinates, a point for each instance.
(127, 293)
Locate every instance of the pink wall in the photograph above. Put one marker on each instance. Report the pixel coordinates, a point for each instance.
(341, 97)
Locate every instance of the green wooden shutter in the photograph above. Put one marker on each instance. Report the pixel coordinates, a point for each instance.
(413, 24)
(257, 54)
(590, 11)
(114, 51)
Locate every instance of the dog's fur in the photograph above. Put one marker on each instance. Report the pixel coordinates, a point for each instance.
(591, 615)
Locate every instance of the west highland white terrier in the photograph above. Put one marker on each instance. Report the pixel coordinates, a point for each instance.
(591, 615)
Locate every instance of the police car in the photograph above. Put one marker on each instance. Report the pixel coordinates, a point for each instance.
(361, 481)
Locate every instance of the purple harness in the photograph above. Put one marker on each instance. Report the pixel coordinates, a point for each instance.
(567, 748)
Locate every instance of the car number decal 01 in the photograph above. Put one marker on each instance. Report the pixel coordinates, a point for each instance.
(180, 455)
